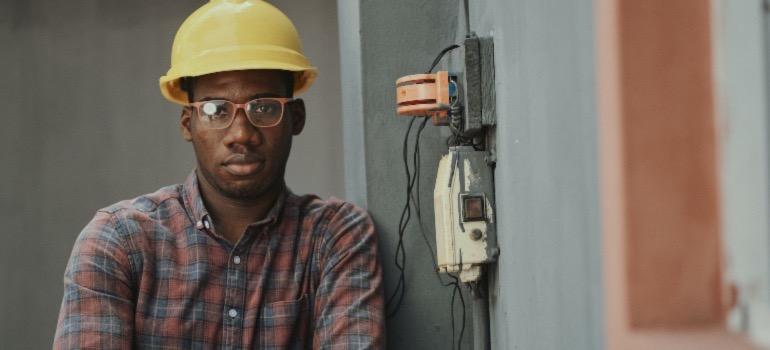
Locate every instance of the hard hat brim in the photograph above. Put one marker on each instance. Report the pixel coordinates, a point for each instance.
(171, 89)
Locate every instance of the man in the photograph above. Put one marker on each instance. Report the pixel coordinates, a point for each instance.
(231, 258)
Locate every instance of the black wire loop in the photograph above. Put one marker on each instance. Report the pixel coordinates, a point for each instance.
(396, 297)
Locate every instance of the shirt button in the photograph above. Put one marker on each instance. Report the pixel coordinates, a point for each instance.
(206, 224)
(232, 313)
(236, 260)
(199, 225)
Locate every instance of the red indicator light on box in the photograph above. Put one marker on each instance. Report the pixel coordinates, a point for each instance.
(473, 208)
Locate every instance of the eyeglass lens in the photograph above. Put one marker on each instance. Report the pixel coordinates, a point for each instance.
(263, 112)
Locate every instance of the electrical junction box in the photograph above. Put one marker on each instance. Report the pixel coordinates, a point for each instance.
(477, 82)
(464, 213)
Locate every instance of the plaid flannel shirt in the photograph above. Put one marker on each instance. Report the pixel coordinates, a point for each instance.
(153, 273)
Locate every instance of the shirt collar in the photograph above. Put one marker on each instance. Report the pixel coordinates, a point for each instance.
(200, 215)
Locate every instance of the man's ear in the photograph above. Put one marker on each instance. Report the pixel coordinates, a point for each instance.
(297, 109)
(185, 123)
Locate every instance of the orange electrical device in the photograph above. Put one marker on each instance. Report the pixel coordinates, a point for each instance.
(424, 95)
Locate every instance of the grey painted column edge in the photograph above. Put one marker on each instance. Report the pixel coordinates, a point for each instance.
(354, 156)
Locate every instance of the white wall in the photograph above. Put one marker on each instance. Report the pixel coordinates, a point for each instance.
(742, 79)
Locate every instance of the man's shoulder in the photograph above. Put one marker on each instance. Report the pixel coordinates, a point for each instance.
(330, 208)
(335, 221)
(124, 221)
(146, 205)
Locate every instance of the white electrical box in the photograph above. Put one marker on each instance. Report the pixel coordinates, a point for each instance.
(464, 213)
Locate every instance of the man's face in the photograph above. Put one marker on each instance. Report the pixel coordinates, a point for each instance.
(242, 161)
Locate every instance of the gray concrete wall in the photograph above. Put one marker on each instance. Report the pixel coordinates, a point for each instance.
(396, 38)
(546, 293)
(548, 290)
(84, 125)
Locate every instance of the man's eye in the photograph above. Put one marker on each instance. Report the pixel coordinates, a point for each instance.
(264, 109)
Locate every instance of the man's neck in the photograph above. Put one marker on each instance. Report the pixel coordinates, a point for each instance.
(232, 216)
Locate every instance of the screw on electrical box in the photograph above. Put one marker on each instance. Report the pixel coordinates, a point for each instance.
(476, 234)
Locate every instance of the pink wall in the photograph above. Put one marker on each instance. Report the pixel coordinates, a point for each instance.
(660, 198)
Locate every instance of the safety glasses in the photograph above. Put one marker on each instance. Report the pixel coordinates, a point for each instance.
(261, 112)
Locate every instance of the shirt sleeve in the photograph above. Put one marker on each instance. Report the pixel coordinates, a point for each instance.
(97, 307)
(349, 303)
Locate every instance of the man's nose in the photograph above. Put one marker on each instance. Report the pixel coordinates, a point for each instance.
(241, 131)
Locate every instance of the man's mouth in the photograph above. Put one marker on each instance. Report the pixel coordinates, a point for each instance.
(243, 164)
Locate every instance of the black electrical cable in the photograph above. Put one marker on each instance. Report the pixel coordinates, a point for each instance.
(440, 56)
(406, 214)
(457, 291)
(400, 254)
(456, 282)
(395, 299)
(467, 17)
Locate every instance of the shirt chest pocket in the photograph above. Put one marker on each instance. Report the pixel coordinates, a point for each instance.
(285, 325)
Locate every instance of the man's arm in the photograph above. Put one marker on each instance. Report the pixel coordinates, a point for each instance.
(349, 301)
(97, 308)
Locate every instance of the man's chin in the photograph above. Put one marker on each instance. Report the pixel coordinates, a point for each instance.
(243, 189)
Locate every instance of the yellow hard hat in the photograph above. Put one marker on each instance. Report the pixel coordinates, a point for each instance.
(227, 35)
